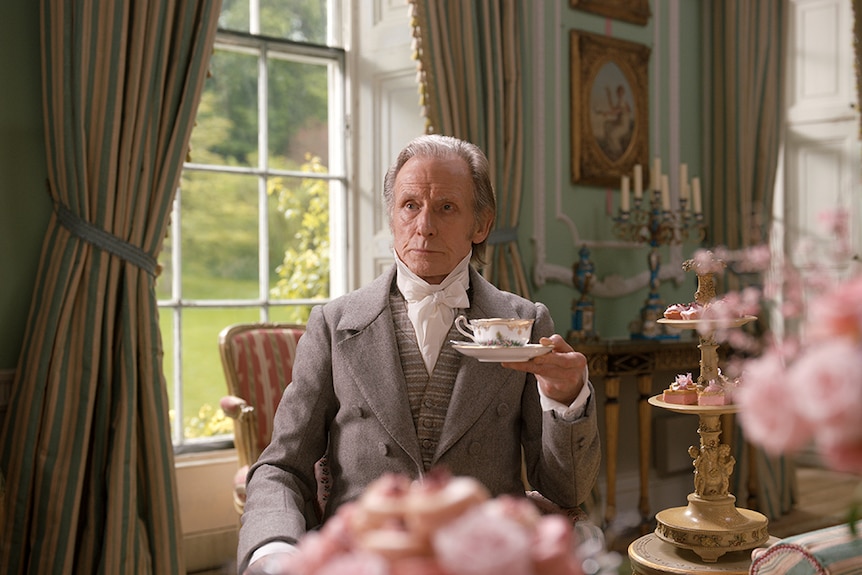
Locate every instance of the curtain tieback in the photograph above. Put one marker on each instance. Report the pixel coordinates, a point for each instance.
(105, 240)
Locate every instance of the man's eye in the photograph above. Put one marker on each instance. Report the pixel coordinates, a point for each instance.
(448, 207)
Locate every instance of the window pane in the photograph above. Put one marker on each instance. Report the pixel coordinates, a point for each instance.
(203, 377)
(298, 114)
(297, 20)
(234, 15)
(290, 313)
(299, 237)
(226, 125)
(220, 239)
(166, 326)
(166, 272)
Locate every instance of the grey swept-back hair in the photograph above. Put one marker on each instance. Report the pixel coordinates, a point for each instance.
(437, 146)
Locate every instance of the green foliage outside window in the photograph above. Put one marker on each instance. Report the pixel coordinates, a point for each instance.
(304, 270)
(220, 222)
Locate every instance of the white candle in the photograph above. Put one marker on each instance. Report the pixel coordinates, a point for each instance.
(695, 184)
(683, 176)
(624, 184)
(639, 181)
(656, 174)
(665, 193)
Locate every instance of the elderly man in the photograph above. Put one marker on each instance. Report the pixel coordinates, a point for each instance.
(378, 388)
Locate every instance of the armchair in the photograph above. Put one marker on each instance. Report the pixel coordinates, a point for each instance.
(258, 361)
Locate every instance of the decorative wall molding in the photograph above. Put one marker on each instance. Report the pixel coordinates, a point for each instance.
(544, 271)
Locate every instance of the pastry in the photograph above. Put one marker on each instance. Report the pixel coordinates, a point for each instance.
(683, 391)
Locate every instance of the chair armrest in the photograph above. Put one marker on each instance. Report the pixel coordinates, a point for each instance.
(243, 427)
(235, 407)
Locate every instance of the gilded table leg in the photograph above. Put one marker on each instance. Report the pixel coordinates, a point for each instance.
(644, 431)
(612, 428)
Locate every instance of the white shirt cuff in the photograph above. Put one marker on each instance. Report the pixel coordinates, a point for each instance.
(270, 549)
(571, 412)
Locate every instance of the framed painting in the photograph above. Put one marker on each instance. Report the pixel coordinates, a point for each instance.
(634, 11)
(609, 108)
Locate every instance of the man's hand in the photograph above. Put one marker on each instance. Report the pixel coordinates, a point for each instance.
(560, 373)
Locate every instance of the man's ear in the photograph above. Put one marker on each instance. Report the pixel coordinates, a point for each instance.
(483, 229)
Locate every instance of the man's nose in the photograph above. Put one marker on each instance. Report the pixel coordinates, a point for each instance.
(426, 223)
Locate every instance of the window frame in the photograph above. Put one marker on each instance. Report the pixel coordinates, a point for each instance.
(267, 48)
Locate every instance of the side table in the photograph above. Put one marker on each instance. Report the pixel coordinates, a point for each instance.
(649, 555)
(613, 359)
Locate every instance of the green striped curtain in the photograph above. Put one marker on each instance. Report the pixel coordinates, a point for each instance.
(748, 40)
(748, 43)
(472, 87)
(86, 449)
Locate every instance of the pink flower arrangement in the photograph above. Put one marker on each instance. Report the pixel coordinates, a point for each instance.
(811, 390)
(803, 387)
(442, 525)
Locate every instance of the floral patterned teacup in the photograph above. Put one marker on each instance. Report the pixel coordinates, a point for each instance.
(508, 332)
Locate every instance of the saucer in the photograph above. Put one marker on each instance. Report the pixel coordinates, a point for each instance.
(498, 353)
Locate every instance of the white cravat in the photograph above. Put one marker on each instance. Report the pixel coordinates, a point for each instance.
(431, 308)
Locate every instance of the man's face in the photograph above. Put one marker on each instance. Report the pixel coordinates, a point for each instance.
(432, 216)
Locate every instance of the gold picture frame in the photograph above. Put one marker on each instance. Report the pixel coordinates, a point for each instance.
(610, 111)
(634, 11)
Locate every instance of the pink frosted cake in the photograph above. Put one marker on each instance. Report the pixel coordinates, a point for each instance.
(713, 394)
(683, 391)
(686, 311)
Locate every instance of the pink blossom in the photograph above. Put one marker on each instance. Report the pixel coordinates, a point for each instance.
(706, 262)
(750, 301)
(417, 566)
(824, 387)
(519, 509)
(741, 340)
(755, 259)
(767, 408)
(843, 456)
(553, 548)
(316, 549)
(838, 313)
(479, 544)
(355, 563)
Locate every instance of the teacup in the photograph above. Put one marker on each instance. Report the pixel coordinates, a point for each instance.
(509, 332)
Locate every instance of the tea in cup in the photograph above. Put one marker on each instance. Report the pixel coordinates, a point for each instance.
(507, 332)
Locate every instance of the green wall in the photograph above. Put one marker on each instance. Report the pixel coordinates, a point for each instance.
(586, 206)
(24, 202)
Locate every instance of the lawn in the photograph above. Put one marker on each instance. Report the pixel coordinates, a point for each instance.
(202, 376)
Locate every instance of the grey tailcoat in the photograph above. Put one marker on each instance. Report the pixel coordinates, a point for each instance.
(348, 399)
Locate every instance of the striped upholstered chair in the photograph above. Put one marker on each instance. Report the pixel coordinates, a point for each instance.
(258, 361)
(829, 551)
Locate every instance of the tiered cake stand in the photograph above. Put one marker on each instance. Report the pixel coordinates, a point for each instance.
(711, 524)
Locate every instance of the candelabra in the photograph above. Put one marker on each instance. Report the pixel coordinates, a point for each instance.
(652, 222)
